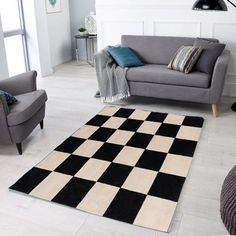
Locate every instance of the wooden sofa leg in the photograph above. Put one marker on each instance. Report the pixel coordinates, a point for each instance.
(214, 110)
(19, 148)
(41, 124)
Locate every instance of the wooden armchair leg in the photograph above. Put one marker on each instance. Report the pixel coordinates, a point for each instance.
(214, 110)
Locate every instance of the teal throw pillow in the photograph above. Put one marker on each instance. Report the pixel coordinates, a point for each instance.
(9, 98)
(125, 57)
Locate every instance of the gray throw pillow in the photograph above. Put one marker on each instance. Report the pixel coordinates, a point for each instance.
(211, 52)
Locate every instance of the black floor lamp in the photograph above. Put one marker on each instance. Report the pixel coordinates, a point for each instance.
(217, 5)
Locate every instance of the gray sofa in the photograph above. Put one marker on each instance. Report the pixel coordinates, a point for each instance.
(154, 79)
(17, 121)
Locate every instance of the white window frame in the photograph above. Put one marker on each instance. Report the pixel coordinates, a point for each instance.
(21, 31)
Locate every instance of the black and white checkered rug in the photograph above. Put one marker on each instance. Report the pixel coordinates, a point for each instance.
(125, 164)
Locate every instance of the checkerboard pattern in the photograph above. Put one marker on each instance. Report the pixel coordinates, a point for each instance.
(125, 164)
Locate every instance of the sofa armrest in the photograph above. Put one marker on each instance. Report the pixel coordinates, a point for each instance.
(101, 60)
(23, 83)
(218, 77)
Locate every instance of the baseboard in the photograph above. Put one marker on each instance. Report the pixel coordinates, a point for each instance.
(47, 73)
(82, 57)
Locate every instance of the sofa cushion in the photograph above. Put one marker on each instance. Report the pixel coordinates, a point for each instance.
(160, 74)
(211, 52)
(155, 49)
(124, 57)
(185, 58)
(28, 104)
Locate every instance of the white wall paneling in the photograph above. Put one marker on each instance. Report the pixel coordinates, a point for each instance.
(173, 28)
(170, 18)
(225, 33)
(113, 29)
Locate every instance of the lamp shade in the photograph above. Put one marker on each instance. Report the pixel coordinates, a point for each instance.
(204, 5)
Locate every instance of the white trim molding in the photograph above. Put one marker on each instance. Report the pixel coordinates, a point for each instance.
(119, 25)
(196, 26)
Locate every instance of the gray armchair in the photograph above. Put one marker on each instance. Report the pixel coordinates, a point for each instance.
(18, 120)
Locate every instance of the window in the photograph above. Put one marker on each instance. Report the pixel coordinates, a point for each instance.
(12, 16)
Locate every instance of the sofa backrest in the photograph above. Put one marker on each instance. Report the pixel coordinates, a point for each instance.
(155, 49)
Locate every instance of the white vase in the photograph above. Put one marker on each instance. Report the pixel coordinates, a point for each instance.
(84, 33)
(91, 23)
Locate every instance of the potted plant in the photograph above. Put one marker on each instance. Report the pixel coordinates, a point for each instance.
(82, 31)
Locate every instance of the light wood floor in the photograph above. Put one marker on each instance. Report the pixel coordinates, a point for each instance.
(70, 105)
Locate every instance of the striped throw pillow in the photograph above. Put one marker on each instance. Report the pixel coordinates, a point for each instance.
(185, 58)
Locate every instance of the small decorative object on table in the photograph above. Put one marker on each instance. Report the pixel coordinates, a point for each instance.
(228, 202)
(91, 23)
(82, 32)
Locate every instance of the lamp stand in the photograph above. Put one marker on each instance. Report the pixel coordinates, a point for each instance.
(231, 3)
(234, 107)
(218, 5)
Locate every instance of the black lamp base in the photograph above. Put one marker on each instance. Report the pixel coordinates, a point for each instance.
(234, 107)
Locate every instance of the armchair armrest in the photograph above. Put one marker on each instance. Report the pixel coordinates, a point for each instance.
(23, 83)
(218, 77)
(5, 136)
(3, 104)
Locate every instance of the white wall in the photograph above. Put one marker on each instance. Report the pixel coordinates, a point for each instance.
(3, 61)
(60, 35)
(48, 37)
(78, 10)
(37, 37)
(171, 18)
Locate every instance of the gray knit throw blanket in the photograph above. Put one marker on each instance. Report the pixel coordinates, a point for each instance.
(111, 78)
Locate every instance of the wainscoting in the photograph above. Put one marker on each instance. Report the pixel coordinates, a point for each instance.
(167, 18)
